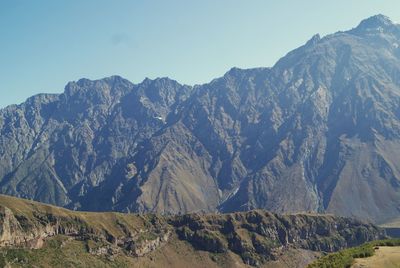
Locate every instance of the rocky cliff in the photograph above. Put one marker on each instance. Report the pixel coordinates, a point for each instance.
(255, 237)
(319, 131)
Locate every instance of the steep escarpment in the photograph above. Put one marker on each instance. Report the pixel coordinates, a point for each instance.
(254, 238)
(319, 131)
(28, 225)
(259, 236)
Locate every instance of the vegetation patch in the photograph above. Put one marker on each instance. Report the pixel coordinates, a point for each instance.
(345, 258)
(60, 251)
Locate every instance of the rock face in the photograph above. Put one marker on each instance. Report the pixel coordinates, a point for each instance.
(255, 236)
(319, 131)
(259, 236)
(104, 234)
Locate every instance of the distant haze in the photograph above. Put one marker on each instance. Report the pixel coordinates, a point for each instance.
(44, 44)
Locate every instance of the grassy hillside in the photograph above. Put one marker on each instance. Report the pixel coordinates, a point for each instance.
(387, 257)
(345, 258)
(63, 252)
(107, 221)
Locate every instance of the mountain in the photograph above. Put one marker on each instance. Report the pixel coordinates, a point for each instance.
(319, 131)
(37, 235)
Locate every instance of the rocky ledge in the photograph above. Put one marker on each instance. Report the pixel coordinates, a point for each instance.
(256, 236)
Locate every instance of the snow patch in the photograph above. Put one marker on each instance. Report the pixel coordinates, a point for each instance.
(160, 118)
(235, 192)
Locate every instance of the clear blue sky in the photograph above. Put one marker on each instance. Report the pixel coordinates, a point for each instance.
(46, 43)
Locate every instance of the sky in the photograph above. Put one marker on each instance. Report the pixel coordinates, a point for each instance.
(44, 44)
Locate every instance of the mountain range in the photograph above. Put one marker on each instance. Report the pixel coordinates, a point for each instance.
(319, 131)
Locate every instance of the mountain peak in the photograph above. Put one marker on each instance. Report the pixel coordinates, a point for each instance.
(314, 40)
(375, 22)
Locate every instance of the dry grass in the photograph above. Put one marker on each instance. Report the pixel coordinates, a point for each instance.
(109, 221)
(388, 257)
